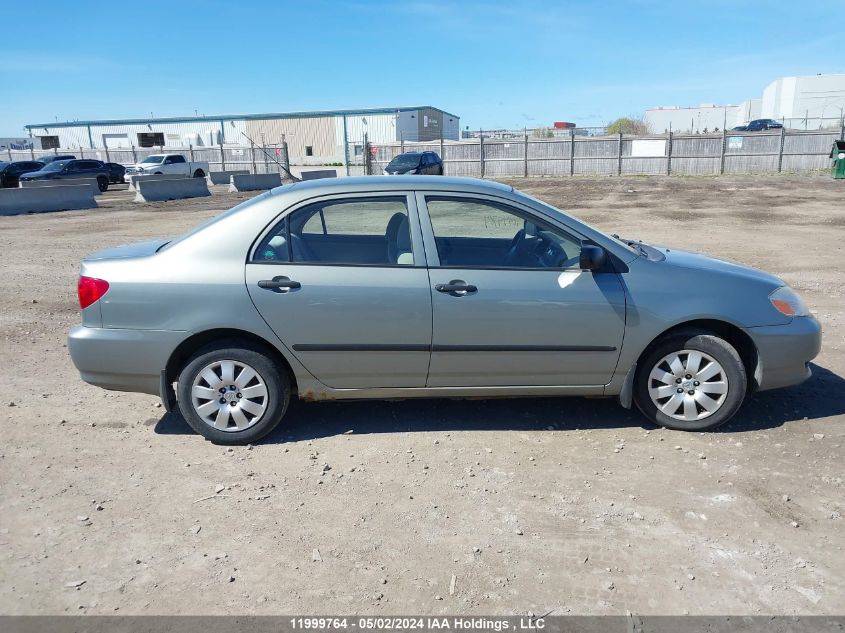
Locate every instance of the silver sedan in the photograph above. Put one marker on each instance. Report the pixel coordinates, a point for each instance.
(424, 287)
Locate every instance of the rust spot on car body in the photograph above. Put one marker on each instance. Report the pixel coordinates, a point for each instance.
(316, 396)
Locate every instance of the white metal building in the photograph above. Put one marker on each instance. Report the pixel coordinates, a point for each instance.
(707, 117)
(312, 137)
(810, 102)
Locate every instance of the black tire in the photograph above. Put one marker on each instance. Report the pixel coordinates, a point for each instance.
(698, 340)
(199, 173)
(275, 379)
(102, 183)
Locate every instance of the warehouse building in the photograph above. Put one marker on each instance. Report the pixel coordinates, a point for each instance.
(313, 137)
(810, 102)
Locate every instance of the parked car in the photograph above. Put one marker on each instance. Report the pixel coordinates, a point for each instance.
(10, 173)
(168, 164)
(408, 288)
(65, 169)
(757, 125)
(415, 163)
(50, 158)
(116, 172)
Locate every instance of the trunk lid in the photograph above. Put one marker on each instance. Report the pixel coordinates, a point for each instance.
(126, 251)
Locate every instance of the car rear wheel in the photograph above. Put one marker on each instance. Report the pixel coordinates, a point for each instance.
(103, 183)
(690, 381)
(199, 173)
(232, 393)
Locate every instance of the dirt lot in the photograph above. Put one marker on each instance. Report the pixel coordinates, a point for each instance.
(566, 505)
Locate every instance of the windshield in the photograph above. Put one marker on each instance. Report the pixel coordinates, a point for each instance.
(406, 160)
(153, 159)
(56, 165)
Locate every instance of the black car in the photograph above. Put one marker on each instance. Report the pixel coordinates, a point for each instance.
(65, 169)
(415, 163)
(116, 173)
(10, 173)
(758, 125)
(50, 158)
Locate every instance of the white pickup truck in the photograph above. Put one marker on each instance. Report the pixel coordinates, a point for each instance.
(168, 164)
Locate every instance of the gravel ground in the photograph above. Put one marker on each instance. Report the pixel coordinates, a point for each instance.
(107, 505)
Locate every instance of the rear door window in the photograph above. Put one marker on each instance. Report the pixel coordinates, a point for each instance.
(373, 231)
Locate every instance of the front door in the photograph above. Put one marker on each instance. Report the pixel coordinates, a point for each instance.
(510, 303)
(342, 282)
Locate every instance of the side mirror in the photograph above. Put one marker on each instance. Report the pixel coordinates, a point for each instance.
(592, 257)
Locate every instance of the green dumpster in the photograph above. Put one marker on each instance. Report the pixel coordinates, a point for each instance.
(837, 153)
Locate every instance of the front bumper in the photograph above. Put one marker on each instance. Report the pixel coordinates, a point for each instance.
(122, 360)
(784, 352)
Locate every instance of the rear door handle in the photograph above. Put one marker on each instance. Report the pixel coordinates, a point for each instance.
(455, 287)
(279, 284)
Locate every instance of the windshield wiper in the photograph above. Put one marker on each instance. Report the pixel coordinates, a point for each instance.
(638, 244)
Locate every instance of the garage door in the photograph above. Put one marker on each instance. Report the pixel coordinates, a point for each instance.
(116, 141)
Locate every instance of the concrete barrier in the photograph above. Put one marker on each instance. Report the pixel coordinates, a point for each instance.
(91, 182)
(223, 177)
(254, 182)
(139, 177)
(314, 174)
(15, 201)
(170, 189)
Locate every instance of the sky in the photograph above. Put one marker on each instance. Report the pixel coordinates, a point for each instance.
(496, 64)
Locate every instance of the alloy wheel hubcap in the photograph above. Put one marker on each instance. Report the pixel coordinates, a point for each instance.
(229, 395)
(688, 385)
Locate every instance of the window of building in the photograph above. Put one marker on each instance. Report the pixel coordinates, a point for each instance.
(309, 150)
(49, 142)
(150, 139)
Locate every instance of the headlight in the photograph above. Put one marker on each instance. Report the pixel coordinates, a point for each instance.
(411, 171)
(786, 301)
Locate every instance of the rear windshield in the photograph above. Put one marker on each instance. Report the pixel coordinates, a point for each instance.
(217, 218)
(56, 165)
(406, 160)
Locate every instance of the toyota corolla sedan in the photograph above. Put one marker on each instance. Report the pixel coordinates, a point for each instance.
(424, 287)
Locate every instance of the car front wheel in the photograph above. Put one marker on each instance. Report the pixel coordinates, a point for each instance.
(232, 393)
(690, 381)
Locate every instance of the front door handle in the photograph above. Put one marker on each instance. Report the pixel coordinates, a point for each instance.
(279, 284)
(456, 287)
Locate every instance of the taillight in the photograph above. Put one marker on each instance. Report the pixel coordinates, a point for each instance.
(90, 290)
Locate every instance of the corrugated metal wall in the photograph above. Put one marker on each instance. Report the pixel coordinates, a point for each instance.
(315, 132)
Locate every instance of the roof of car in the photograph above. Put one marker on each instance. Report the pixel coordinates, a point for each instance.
(381, 183)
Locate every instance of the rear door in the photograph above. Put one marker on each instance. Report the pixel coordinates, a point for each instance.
(343, 283)
(510, 303)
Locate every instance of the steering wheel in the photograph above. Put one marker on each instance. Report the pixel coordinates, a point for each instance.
(515, 250)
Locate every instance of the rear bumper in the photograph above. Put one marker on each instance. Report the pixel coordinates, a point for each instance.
(784, 352)
(122, 360)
